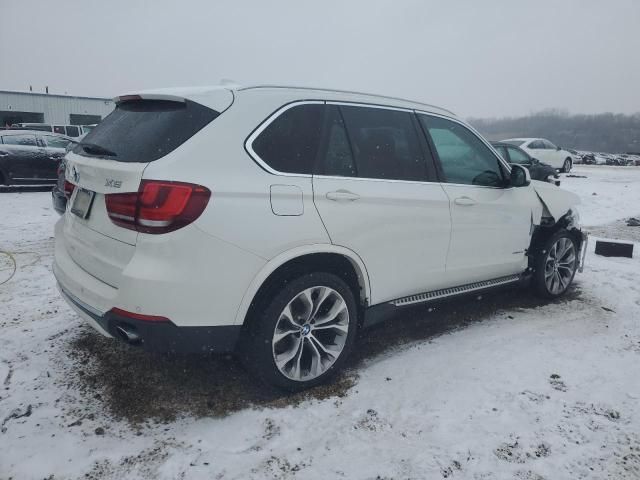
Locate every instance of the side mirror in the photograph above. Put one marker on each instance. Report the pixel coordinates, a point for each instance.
(534, 161)
(558, 148)
(520, 176)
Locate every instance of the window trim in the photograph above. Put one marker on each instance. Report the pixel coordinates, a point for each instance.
(248, 143)
(436, 158)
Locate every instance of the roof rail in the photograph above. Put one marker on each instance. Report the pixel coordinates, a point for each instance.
(249, 87)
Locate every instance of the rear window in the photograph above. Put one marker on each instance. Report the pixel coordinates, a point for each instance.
(145, 130)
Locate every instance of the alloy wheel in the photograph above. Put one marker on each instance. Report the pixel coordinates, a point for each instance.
(560, 265)
(310, 333)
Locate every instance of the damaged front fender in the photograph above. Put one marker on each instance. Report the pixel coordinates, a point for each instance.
(556, 201)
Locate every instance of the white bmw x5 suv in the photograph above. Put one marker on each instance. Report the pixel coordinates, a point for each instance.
(277, 221)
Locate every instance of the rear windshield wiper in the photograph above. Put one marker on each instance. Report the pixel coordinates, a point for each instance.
(94, 149)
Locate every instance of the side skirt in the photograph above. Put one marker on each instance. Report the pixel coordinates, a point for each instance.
(382, 311)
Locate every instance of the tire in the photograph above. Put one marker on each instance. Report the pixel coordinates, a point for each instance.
(556, 265)
(304, 354)
(566, 167)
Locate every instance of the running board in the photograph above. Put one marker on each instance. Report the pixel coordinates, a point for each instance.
(450, 292)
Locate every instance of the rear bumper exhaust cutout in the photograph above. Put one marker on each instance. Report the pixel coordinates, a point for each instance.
(159, 334)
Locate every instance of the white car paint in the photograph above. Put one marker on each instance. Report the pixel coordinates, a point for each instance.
(543, 150)
(402, 237)
(556, 200)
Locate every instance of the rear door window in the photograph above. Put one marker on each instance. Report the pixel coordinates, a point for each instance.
(55, 142)
(289, 144)
(21, 140)
(384, 143)
(145, 130)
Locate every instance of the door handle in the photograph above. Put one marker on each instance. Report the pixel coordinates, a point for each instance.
(3, 154)
(342, 196)
(54, 158)
(465, 201)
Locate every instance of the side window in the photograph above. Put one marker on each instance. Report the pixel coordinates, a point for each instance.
(290, 142)
(55, 142)
(518, 156)
(336, 158)
(72, 131)
(536, 145)
(503, 153)
(385, 143)
(22, 140)
(58, 129)
(464, 158)
(548, 145)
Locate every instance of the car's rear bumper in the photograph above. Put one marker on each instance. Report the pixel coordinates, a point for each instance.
(157, 336)
(201, 296)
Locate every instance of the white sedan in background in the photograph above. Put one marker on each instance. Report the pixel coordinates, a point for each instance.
(545, 151)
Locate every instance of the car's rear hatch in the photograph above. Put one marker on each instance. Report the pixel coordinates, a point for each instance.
(112, 158)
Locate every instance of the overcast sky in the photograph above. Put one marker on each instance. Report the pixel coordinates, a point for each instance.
(477, 58)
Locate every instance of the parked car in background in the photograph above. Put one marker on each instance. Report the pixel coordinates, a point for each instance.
(279, 221)
(545, 151)
(628, 160)
(538, 170)
(600, 158)
(576, 157)
(62, 189)
(588, 158)
(58, 197)
(68, 130)
(29, 157)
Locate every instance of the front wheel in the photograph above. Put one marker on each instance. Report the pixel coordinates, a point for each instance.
(566, 168)
(556, 265)
(304, 334)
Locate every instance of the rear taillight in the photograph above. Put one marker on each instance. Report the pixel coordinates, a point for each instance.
(68, 189)
(158, 206)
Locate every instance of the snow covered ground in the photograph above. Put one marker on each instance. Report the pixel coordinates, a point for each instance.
(501, 387)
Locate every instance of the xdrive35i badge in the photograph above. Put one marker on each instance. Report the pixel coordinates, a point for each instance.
(113, 183)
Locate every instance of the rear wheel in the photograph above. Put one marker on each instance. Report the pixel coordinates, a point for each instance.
(566, 168)
(556, 265)
(304, 334)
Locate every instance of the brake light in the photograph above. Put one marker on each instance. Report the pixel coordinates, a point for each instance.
(158, 206)
(137, 316)
(68, 189)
